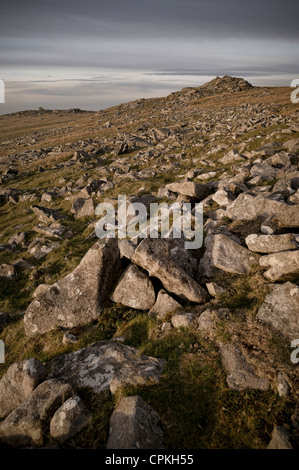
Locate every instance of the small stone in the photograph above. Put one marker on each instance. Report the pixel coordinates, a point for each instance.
(69, 339)
(182, 320)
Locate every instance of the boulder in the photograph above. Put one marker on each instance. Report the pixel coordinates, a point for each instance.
(164, 305)
(247, 207)
(78, 298)
(154, 255)
(271, 243)
(18, 383)
(281, 309)
(69, 419)
(135, 425)
(106, 365)
(82, 207)
(225, 254)
(189, 188)
(27, 424)
(241, 375)
(280, 265)
(134, 289)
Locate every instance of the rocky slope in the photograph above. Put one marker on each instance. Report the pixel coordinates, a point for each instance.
(196, 344)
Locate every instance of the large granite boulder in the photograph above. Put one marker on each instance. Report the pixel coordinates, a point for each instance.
(106, 365)
(78, 298)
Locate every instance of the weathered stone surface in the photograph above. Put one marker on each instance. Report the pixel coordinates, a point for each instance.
(241, 375)
(82, 207)
(18, 383)
(134, 289)
(225, 254)
(280, 265)
(69, 419)
(281, 309)
(164, 305)
(281, 439)
(214, 289)
(105, 365)
(182, 320)
(247, 207)
(154, 255)
(27, 424)
(189, 188)
(223, 197)
(135, 425)
(271, 243)
(79, 297)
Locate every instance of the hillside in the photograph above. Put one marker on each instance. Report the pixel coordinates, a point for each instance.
(201, 338)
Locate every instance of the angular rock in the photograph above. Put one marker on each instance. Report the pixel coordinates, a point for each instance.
(281, 439)
(69, 419)
(225, 254)
(154, 255)
(135, 425)
(281, 309)
(247, 207)
(271, 243)
(82, 207)
(18, 383)
(106, 365)
(214, 289)
(164, 305)
(78, 298)
(241, 375)
(280, 265)
(134, 289)
(27, 424)
(189, 188)
(45, 214)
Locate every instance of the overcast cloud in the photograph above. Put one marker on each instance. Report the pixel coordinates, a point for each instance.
(94, 53)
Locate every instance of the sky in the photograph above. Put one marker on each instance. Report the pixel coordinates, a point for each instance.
(93, 54)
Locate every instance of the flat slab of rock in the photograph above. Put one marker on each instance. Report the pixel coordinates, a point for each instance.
(164, 305)
(154, 255)
(135, 425)
(69, 419)
(106, 365)
(271, 243)
(241, 375)
(77, 298)
(27, 424)
(280, 264)
(18, 383)
(281, 309)
(134, 289)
